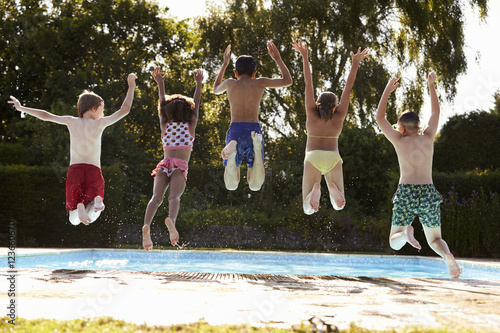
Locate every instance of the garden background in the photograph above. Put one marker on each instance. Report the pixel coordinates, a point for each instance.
(50, 51)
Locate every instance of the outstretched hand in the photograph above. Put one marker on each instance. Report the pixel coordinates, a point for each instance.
(198, 75)
(300, 47)
(131, 80)
(157, 75)
(14, 101)
(227, 55)
(392, 84)
(273, 50)
(360, 55)
(431, 78)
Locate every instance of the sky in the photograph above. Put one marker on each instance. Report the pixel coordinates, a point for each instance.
(475, 89)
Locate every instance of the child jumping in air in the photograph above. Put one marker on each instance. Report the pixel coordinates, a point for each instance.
(244, 136)
(324, 120)
(178, 119)
(84, 182)
(416, 194)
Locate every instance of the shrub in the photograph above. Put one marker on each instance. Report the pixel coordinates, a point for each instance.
(34, 197)
(472, 223)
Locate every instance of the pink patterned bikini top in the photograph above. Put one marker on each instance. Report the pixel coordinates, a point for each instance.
(177, 136)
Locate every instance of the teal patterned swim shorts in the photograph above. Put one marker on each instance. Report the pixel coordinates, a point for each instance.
(417, 199)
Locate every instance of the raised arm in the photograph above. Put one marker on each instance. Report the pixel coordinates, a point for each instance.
(346, 94)
(382, 121)
(219, 85)
(126, 105)
(40, 114)
(301, 47)
(432, 127)
(198, 77)
(286, 79)
(160, 81)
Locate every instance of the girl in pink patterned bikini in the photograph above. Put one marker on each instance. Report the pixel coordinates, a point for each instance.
(178, 119)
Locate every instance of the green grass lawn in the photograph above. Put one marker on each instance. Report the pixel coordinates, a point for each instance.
(110, 325)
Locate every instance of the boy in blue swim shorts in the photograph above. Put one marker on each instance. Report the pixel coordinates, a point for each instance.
(244, 136)
(416, 194)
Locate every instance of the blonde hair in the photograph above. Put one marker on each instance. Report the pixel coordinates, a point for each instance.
(88, 100)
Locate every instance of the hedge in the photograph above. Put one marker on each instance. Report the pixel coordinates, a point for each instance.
(34, 198)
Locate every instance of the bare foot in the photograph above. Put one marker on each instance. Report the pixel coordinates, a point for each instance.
(229, 150)
(147, 243)
(314, 197)
(257, 140)
(174, 235)
(98, 204)
(82, 214)
(411, 239)
(453, 268)
(336, 197)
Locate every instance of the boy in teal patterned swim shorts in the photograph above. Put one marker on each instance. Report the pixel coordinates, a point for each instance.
(416, 194)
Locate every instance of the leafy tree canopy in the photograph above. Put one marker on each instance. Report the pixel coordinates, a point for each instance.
(470, 141)
(414, 36)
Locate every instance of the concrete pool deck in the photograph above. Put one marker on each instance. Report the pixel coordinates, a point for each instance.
(162, 298)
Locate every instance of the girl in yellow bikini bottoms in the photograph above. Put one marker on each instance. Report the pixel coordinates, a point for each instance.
(324, 120)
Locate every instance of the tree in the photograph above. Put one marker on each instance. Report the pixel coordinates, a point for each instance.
(469, 142)
(51, 53)
(402, 35)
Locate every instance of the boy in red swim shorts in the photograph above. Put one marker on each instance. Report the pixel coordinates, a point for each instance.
(84, 182)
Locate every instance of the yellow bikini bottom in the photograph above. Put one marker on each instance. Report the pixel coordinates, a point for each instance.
(323, 160)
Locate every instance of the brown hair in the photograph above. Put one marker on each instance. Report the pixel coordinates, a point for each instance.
(326, 105)
(410, 120)
(88, 100)
(176, 108)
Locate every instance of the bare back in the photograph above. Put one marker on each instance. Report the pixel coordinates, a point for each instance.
(415, 154)
(323, 135)
(244, 97)
(85, 140)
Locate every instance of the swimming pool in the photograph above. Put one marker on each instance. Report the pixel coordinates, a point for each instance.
(246, 262)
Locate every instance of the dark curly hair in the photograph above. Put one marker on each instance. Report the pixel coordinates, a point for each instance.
(176, 108)
(325, 106)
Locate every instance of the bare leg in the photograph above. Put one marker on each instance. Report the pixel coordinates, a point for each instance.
(433, 236)
(232, 171)
(256, 174)
(147, 243)
(335, 181)
(98, 204)
(177, 186)
(401, 235)
(82, 214)
(311, 188)
(160, 186)
(95, 208)
(172, 231)
(73, 217)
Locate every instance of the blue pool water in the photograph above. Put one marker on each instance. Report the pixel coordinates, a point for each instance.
(254, 263)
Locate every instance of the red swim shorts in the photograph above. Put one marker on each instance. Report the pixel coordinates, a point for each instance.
(83, 183)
